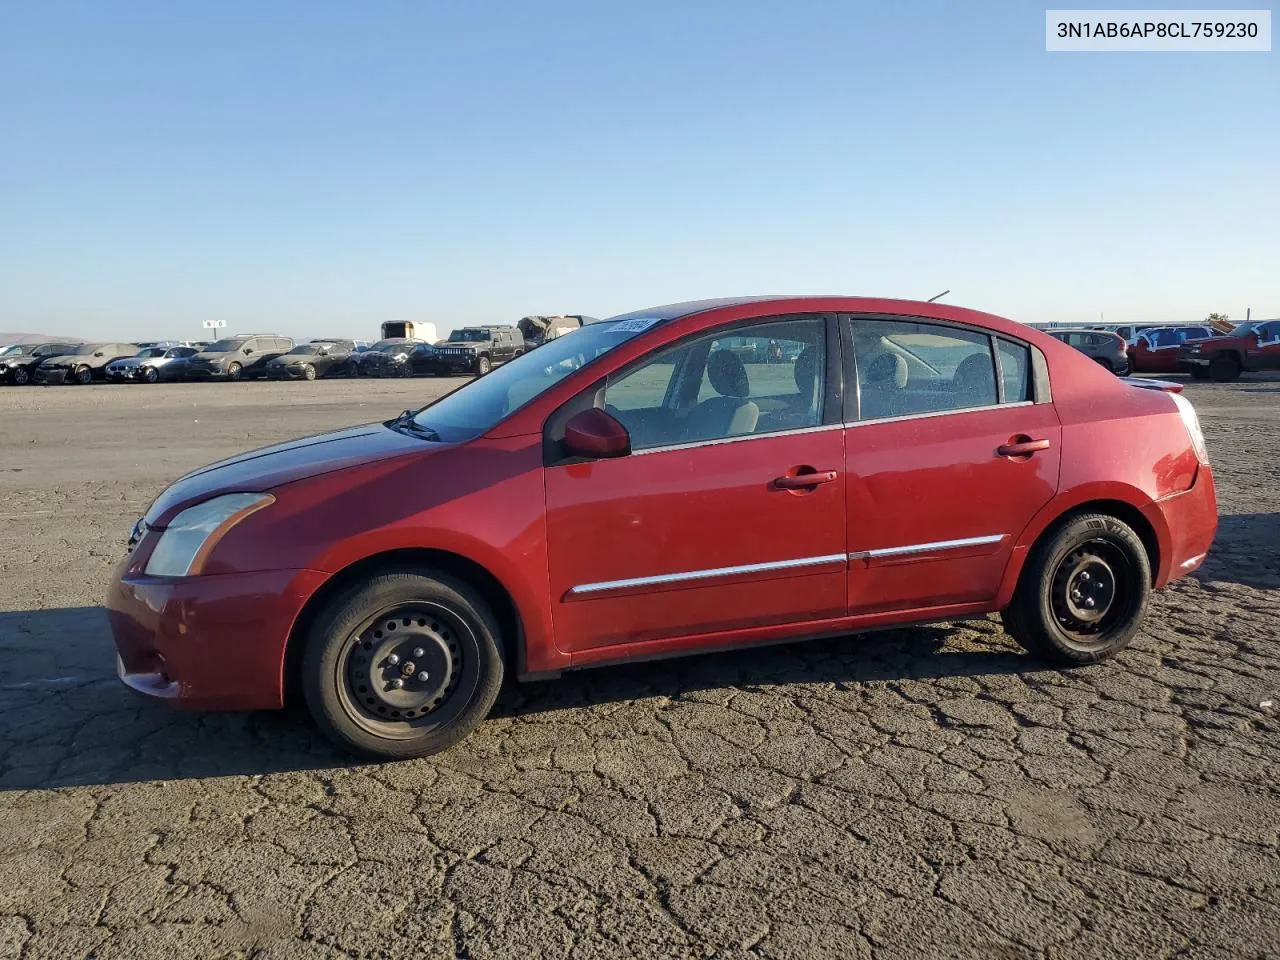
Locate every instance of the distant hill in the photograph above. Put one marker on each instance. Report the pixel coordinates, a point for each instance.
(34, 338)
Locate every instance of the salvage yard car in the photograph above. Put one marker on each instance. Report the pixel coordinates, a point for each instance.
(150, 365)
(1249, 347)
(1102, 346)
(389, 358)
(18, 361)
(638, 490)
(307, 361)
(1155, 350)
(475, 350)
(84, 364)
(238, 358)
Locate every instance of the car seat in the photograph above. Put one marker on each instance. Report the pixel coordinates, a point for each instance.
(731, 413)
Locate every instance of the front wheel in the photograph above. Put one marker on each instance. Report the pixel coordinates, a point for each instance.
(403, 665)
(235, 372)
(83, 375)
(150, 374)
(1083, 592)
(1224, 368)
(20, 376)
(483, 366)
(309, 372)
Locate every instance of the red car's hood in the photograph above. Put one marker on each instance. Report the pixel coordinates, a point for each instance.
(285, 462)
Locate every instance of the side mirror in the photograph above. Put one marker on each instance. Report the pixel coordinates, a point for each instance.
(99, 354)
(593, 433)
(248, 350)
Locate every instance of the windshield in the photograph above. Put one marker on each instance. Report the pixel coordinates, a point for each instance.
(153, 352)
(308, 348)
(468, 336)
(396, 346)
(225, 346)
(476, 407)
(86, 349)
(13, 351)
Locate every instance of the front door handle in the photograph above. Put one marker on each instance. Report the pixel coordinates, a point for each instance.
(801, 481)
(1022, 447)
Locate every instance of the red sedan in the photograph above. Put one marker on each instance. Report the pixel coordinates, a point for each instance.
(661, 483)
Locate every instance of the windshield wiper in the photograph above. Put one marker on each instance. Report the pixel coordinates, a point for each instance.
(406, 424)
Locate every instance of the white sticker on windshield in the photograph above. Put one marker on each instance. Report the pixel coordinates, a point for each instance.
(634, 325)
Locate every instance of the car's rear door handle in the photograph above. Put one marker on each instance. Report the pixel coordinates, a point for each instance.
(1022, 447)
(800, 481)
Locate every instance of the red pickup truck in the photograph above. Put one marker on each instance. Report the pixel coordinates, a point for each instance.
(1249, 347)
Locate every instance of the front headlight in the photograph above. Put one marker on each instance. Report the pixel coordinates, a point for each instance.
(191, 535)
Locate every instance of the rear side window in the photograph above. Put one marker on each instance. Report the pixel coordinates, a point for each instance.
(907, 369)
(1015, 371)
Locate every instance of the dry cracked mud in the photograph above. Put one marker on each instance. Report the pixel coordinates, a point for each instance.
(921, 792)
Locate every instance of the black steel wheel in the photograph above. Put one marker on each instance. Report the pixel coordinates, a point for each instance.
(402, 665)
(1083, 592)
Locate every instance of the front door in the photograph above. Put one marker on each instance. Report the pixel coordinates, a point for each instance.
(949, 459)
(729, 512)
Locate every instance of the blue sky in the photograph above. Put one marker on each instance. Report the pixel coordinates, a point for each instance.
(318, 168)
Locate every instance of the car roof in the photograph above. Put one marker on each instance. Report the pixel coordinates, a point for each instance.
(750, 307)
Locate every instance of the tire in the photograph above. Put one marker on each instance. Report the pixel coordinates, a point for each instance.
(235, 371)
(1224, 368)
(483, 366)
(21, 376)
(1199, 373)
(82, 375)
(150, 374)
(1105, 364)
(1091, 558)
(309, 372)
(347, 670)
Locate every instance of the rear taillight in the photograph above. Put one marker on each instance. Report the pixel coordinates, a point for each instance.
(1192, 423)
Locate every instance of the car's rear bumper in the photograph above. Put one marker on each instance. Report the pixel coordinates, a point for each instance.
(1190, 520)
(207, 643)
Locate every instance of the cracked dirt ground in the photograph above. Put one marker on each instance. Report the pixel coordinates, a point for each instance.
(920, 793)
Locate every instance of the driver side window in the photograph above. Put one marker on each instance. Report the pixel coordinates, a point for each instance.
(743, 381)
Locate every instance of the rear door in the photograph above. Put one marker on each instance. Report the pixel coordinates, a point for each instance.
(708, 525)
(952, 447)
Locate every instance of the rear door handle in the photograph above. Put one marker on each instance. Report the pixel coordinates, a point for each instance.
(800, 481)
(1022, 447)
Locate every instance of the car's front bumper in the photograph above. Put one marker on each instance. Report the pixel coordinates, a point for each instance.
(44, 375)
(207, 643)
(122, 376)
(438, 364)
(206, 373)
(285, 373)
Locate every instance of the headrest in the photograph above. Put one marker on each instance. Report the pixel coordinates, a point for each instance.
(728, 375)
(888, 368)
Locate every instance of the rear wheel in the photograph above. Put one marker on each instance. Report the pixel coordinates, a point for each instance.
(1105, 363)
(403, 665)
(1224, 368)
(1083, 592)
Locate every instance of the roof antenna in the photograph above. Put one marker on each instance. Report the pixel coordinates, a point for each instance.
(937, 296)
